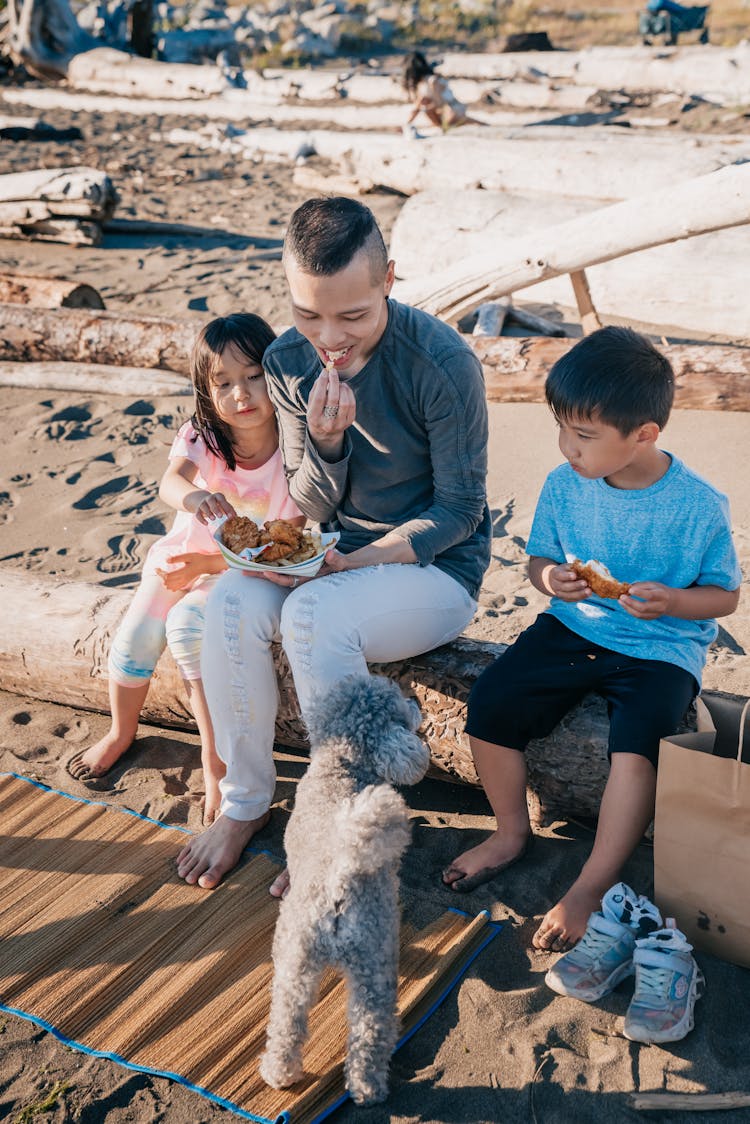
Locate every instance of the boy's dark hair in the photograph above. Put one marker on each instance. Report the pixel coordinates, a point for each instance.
(325, 234)
(615, 375)
(249, 335)
(416, 68)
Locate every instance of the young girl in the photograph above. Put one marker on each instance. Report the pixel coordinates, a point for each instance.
(224, 461)
(433, 95)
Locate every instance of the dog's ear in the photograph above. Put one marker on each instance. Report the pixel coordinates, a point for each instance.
(400, 757)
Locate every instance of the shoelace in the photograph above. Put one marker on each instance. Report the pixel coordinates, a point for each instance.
(593, 943)
(653, 985)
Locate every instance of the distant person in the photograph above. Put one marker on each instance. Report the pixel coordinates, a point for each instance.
(432, 96)
(664, 533)
(224, 461)
(383, 422)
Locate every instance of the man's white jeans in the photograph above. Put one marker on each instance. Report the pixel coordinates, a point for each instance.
(330, 627)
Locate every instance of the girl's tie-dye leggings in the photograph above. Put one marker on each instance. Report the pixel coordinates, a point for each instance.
(157, 617)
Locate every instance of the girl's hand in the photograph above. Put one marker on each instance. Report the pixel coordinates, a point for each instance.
(331, 409)
(190, 567)
(563, 582)
(214, 506)
(648, 600)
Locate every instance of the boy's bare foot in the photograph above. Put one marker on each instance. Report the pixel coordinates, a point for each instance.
(279, 888)
(209, 856)
(98, 759)
(564, 925)
(481, 864)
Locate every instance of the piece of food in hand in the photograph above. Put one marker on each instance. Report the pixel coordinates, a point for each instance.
(598, 578)
(240, 533)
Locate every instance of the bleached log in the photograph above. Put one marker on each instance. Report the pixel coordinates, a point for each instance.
(247, 106)
(47, 292)
(718, 73)
(115, 72)
(58, 635)
(44, 35)
(87, 378)
(709, 377)
(78, 191)
(78, 335)
(74, 232)
(709, 203)
(490, 319)
(596, 165)
(686, 286)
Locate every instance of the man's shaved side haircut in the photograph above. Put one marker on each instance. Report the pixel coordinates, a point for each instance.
(324, 235)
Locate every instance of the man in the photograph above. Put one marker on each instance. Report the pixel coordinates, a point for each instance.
(383, 430)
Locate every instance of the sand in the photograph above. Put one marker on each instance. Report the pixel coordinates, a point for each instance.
(79, 499)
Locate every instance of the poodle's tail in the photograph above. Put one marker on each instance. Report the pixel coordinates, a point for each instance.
(374, 826)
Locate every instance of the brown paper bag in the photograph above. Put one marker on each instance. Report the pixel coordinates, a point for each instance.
(702, 830)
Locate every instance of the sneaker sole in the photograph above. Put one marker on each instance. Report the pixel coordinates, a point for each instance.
(590, 995)
(680, 1029)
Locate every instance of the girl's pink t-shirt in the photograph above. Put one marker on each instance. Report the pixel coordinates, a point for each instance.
(260, 493)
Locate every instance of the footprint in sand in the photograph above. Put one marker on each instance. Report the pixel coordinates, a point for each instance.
(75, 731)
(117, 494)
(39, 741)
(28, 559)
(7, 503)
(70, 424)
(125, 555)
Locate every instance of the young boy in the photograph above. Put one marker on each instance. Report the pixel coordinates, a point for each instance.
(660, 528)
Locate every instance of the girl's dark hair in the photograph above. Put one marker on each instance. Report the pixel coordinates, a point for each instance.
(247, 334)
(324, 235)
(416, 68)
(615, 375)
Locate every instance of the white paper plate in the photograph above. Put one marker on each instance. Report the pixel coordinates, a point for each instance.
(306, 569)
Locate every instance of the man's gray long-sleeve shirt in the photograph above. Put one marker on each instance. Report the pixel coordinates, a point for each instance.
(415, 459)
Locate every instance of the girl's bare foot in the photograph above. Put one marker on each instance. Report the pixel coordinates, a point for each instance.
(483, 863)
(98, 759)
(564, 925)
(208, 857)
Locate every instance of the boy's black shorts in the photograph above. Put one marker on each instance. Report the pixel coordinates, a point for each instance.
(525, 693)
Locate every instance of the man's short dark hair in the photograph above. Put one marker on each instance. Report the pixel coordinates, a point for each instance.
(325, 234)
(614, 375)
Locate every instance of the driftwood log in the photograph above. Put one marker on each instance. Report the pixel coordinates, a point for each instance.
(719, 73)
(88, 378)
(57, 639)
(44, 35)
(47, 292)
(691, 283)
(61, 205)
(708, 203)
(80, 336)
(709, 376)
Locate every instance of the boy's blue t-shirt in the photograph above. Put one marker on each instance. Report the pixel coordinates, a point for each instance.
(676, 532)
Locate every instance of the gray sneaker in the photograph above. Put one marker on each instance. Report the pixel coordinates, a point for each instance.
(604, 955)
(667, 983)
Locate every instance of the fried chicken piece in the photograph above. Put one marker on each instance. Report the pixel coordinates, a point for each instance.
(284, 538)
(598, 578)
(239, 532)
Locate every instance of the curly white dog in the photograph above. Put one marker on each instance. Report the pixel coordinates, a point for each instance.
(344, 842)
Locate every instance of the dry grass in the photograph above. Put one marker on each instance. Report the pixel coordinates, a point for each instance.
(568, 24)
